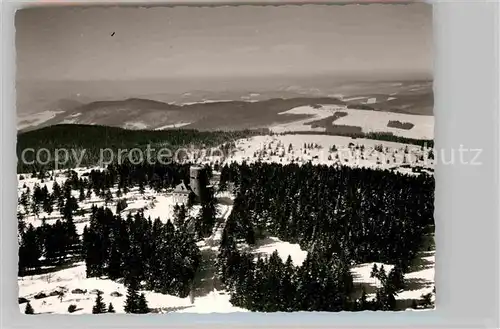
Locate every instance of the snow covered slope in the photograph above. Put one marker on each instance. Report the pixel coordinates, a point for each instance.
(318, 149)
(367, 120)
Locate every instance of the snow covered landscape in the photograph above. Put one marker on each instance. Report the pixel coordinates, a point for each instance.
(70, 285)
(367, 120)
(221, 159)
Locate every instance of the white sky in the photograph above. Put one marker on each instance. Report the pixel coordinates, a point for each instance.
(229, 41)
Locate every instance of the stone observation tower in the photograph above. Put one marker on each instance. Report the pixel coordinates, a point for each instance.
(196, 179)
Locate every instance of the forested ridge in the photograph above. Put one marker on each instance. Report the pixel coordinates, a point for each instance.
(91, 141)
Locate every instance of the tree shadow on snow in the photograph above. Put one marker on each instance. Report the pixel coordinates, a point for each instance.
(417, 284)
(205, 279)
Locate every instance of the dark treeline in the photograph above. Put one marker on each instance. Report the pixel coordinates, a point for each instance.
(343, 216)
(47, 245)
(382, 136)
(367, 215)
(138, 249)
(87, 141)
(126, 176)
(400, 125)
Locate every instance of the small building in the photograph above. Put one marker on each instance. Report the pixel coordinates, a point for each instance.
(181, 193)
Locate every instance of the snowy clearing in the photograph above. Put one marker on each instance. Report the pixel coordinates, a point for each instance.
(269, 245)
(369, 121)
(81, 291)
(174, 125)
(35, 119)
(422, 279)
(135, 125)
(376, 121)
(358, 152)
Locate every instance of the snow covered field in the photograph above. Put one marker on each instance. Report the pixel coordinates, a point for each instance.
(81, 291)
(424, 277)
(135, 125)
(369, 121)
(35, 119)
(348, 151)
(174, 125)
(285, 249)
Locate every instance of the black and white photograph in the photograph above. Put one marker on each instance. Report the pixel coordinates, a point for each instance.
(229, 158)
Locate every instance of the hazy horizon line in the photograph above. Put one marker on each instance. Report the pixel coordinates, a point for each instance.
(337, 79)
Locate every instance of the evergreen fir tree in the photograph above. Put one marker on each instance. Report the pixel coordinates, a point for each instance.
(81, 196)
(142, 305)
(24, 201)
(30, 250)
(374, 272)
(70, 207)
(99, 306)
(111, 309)
(108, 197)
(131, 303)
(396, 278)
(28, 309)
(21, 224)
(179, 215)
(121, 205)
(114, 267)
(141, 187)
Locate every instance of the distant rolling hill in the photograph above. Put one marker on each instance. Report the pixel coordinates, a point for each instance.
(136, 113)
(141, 113)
